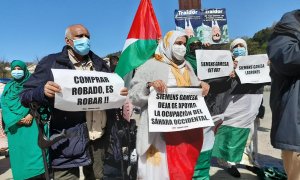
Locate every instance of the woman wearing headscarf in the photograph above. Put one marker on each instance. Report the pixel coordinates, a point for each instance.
(193, 43)
(216, 100)
(158, 150)
(25, 156)
(233, 139)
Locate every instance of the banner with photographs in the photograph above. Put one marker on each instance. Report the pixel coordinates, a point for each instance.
(209, 25)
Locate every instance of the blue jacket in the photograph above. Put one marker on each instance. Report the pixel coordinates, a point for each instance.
(284, 53)
(72, 151)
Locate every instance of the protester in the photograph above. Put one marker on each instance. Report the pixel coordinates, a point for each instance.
(113, 61)
(234, 136)
(156, 150)
(71, 152)
(216, 101)
(120, 138)
(106, 59)
(3, 137)
(192, 45)
(283, 51)
(25, 156)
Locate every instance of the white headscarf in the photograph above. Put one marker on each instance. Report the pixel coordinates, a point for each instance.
(165, 45)
(239, 41)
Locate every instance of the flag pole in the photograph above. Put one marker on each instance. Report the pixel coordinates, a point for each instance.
(189, 4)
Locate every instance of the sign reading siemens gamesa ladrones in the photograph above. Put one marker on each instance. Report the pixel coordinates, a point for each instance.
(253, 69)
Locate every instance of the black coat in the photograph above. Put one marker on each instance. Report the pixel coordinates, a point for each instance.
(221, 90)
(72, 151)
(218, 97)
(284, 53)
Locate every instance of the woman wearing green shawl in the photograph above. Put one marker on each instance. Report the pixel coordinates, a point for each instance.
(192, 45)
(216, 101)
(201, 170)
(25, 156)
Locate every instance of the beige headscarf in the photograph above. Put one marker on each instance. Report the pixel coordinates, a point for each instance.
(164, 54)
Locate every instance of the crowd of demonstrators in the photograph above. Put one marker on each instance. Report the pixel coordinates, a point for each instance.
(96, 139)
(283, 51)
(100, 149)
(67, 155)
(25, 156)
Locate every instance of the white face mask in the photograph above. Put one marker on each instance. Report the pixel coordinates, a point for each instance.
(179, 51)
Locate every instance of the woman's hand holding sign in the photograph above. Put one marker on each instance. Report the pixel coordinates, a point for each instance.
(51, 88)
(158, 85)
(205, 88)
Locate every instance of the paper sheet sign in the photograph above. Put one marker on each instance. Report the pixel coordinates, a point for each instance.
(87, 90)
(180, 109)
(213, 63)
(253, 69)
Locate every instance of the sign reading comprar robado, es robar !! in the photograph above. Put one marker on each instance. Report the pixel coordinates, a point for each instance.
(180, 109)
(87, 90)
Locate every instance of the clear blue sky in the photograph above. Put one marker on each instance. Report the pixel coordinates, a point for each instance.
(31, 29)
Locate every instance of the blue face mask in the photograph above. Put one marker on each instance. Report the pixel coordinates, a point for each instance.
(82, 46)
(17, 74)
(239, 51)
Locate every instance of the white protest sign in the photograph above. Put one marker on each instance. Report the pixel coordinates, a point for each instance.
(87, 90)
(253, 69)
(180, 109)
(213, 63)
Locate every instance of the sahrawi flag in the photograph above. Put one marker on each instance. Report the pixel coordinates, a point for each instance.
(142, 39)
(232, 136)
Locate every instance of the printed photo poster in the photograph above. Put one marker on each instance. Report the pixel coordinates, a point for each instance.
(213, 63)
(253, 69)
(87, 90)
(180, 109)
(209, 25)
